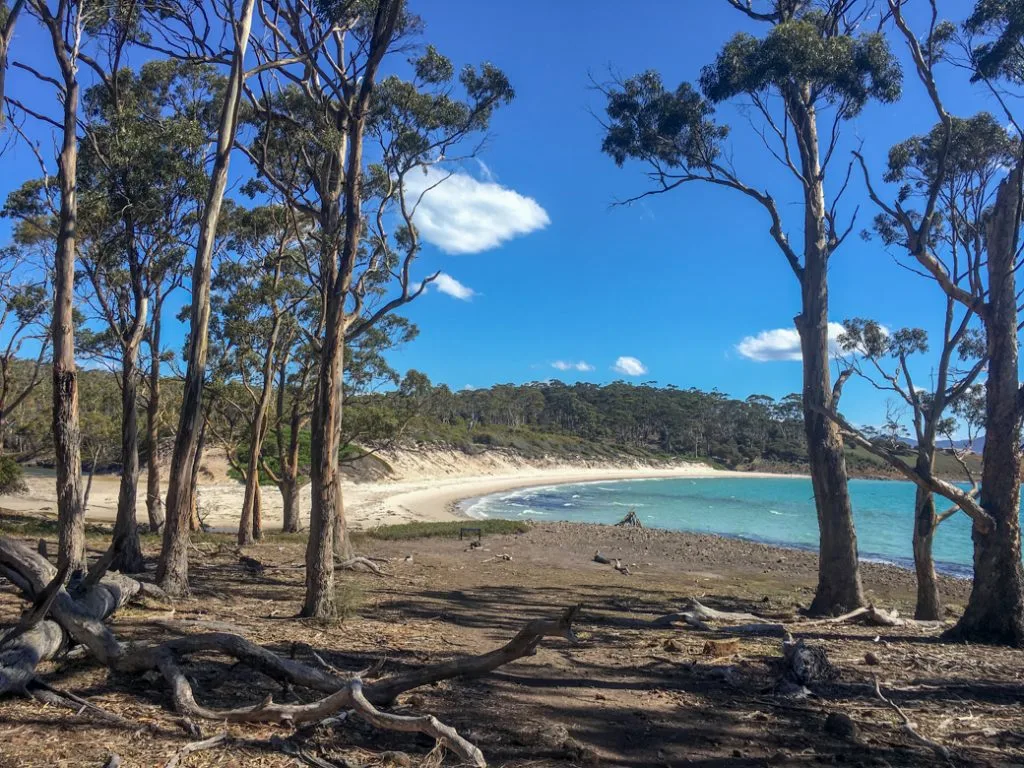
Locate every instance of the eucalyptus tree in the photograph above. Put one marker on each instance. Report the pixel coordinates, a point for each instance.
(310, 131)
(183, 27)
(141, 179)
(972, 156)
(64, 24)
(256, 293)
(287, 464)
(886, 360)
(809, 72)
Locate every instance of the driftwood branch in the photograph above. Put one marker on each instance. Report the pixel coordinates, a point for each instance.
(195, 746)
(698, 616)
(908, 726)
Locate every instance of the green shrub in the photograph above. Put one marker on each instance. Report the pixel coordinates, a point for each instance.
(12, 477)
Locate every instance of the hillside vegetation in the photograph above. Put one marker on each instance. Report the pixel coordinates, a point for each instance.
(617, 422)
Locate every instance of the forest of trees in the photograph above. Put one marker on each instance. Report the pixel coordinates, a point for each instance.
(249, 162)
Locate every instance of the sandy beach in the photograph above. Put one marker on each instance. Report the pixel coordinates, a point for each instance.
(424, 485)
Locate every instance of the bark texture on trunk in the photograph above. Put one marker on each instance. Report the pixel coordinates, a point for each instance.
(154, 505)
(292, 511)
(341, 214)
(66, 436)
(995, 610)
(342, 545)
(839, 586)
(325, 496)
(194, 522)
(929, 602)
(172, 571)
(289, 459)
(128, 553)
(250, 527)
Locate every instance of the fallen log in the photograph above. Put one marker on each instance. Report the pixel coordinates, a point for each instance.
(876, 617)
(82, 618)
(359, 563)
(710, 614)
(33, 574)
(698, 616)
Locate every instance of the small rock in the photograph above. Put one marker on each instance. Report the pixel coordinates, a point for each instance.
(841, 725)
(673, 645)
(737, 753)
(871, 659)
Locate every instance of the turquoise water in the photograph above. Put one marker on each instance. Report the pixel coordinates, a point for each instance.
(774, 510)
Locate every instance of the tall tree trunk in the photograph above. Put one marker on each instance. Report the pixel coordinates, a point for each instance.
(995, 610)
(342, 545)
(257, 511)
(154, 507)
(289, 487)
(247, 527)
(325, 472)
(289, 484)
(839, 587)
(325, 486)
(929, 602)
(66, 434)
(194, 522)
(128, 552)
(172, 572)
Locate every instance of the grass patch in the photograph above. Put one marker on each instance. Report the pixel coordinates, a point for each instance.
(35, 526)
(444, 530)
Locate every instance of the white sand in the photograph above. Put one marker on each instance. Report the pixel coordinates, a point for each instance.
(428, 487)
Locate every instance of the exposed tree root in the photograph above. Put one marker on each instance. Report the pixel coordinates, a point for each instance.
(81, 618)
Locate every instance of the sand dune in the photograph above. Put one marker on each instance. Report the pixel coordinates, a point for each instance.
(426, 486)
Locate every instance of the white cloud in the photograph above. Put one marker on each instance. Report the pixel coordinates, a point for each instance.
(567, 365)
(463, 215)
(449, 285)
(629, 366)
(782, 344)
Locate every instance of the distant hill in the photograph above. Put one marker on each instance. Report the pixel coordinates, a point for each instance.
(977, 446)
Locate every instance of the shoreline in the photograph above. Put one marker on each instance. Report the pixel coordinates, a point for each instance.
(429, 498)
(423, 491)
(444, 499)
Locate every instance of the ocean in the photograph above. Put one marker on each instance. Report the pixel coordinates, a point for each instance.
(777, 510)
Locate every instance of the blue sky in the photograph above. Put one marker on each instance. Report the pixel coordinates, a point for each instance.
(677, 282)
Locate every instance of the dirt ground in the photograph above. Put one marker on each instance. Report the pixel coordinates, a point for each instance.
(625, 695)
